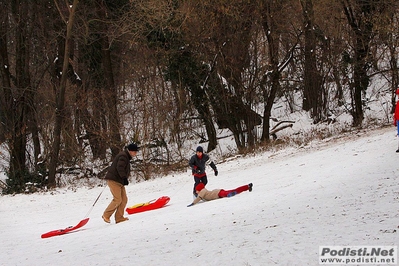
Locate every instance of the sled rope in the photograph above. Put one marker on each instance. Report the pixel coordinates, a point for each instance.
(87, 215)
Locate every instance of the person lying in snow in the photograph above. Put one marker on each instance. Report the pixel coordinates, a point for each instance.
(204, 194)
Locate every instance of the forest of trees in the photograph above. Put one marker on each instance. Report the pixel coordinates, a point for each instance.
(80, 79)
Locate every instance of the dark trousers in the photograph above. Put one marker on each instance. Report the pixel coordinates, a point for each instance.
(198, 180)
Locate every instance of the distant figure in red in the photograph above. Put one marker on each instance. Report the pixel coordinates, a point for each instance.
(204, 194)
(396, 116)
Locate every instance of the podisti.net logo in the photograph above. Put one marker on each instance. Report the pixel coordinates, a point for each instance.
(358, 255)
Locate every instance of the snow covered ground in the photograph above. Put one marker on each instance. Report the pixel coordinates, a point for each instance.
(334, 192)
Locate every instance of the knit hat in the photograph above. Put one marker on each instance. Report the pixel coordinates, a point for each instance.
(133, 147)
(200, 149)
(199, 187)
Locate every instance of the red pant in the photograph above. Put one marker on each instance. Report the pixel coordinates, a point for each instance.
(223, 193)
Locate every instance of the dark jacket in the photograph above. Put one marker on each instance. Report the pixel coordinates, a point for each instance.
(198, 164)
(120, 167)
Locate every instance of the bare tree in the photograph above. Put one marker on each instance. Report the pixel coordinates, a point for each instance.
(312, 95)
(360, 14)
(273, 29)
(16, 89)
(60, 103)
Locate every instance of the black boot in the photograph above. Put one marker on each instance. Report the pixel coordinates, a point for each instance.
(250, 187)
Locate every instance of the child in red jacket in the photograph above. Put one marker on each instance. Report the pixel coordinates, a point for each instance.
(396, 116)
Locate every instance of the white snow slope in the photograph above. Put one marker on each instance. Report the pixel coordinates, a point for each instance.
(333, 192)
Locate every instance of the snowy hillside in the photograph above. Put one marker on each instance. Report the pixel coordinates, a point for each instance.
(342, 192)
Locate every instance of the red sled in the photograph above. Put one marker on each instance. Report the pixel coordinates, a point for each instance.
(147, 206)
(66, 230)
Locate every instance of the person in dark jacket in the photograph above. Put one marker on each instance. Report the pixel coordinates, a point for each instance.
(197, 164)
(117, 178)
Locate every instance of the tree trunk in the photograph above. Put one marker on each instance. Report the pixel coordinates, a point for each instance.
(360, 84)
(269, 27)
(275, 87)
(5, 88)
(111, 99)
(19, 99)
(395, 75)
(312, 84)
(359, 17)
(60, 99)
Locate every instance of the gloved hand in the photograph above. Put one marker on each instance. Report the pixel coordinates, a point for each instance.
(125, 182)
(196, 170)
(216, 172)
(192, 204)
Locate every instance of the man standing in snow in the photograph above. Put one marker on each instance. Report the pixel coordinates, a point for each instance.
(197, 164)
(396, 116)
(117, 179)
(204, 194)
